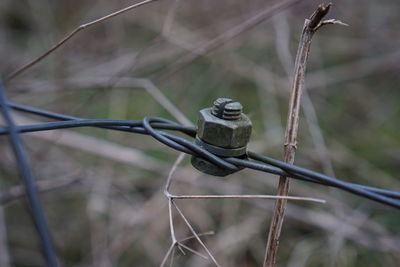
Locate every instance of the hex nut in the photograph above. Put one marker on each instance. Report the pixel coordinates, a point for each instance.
(223, 133)
(209, 168)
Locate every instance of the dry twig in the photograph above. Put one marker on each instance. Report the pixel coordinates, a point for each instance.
(311, 25)
(173, 237)
(172, 197)
(72, 34)
(309, 199)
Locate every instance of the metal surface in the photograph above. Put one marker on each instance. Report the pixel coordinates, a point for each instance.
(223, 130)
(220, 151)
(207, 167)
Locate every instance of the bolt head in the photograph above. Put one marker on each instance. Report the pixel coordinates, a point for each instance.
(223, 133)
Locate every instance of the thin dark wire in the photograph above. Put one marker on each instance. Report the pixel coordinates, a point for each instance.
(337, 183)
(191, 131)
(125, 125)
(199, 151)
(136, 126)
(328, 180)
(149, 124)
(31, 191)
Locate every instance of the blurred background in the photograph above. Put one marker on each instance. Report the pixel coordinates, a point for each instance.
(104, 190)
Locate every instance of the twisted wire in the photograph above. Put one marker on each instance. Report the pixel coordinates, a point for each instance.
(153, 126)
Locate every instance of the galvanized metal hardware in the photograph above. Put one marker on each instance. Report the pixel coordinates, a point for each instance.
(224, 131)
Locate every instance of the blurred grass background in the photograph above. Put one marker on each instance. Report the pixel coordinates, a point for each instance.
(114, 212)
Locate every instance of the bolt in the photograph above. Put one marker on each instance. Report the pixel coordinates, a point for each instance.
(225, 108)
(224, 125)
(218, 108)
(232, 111)
(222, 130)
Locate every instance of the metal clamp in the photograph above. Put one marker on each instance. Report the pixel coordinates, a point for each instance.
(224, 131)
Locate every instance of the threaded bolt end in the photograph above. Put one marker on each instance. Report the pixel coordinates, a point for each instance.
(232, 111)
(218, 107)
(225, 108)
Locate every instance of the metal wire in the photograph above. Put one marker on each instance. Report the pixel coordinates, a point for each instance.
(149, 124)
(328, 180)
(30, 188)
(154, 127)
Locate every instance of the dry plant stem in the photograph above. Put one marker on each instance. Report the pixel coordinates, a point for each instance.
(174, 241)
(72, 34)
(171, 261)
(170, 250)
(170, 203)
(195, 234)
(311, 25)
(193, 251)
(171, 197)
(179, 242)
(309, 199)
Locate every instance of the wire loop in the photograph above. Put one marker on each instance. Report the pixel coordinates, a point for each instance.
(154, 126)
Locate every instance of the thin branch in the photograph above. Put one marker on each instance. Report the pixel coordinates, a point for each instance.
(195, 234)
(180, 248)
(330, 21)
(193, 251)
(179, 242)
(72, 34)
(172, 171)
(170, 250)
(285, 57)
(167, 185)
(171, 202)
(171, 260)
(171, 222)
(309, 199)
(174, 242)
(311, 25)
